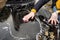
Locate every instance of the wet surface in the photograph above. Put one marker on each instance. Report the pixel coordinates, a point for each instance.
(4, 31)
(27, 31)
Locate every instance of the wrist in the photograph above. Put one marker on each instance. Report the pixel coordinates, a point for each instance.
(55, 14)
(33, 11)
(58, 11)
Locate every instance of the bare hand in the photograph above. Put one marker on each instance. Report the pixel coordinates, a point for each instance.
(28, 16)
(54, 18)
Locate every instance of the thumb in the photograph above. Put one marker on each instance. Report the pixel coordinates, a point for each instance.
(32, 17)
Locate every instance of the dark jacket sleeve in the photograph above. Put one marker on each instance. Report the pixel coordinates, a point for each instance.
(40, 3)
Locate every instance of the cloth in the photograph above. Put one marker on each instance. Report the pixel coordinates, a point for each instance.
(2, 3)
(40, 3)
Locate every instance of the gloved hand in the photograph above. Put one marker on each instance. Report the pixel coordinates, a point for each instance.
(28, 16)
(54, 18)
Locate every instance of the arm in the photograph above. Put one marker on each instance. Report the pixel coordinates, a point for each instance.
(39, 4)
(31, 15)
(54, 17)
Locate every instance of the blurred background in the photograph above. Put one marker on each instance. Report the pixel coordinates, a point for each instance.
(11, 17)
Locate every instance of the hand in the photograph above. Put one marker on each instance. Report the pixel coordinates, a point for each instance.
(28, 16)
(54, 18)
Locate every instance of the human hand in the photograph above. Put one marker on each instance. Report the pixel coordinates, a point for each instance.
(54, 18)
(28, 16)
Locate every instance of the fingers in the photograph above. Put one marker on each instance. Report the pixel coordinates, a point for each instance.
(53, 21)
(49, 20)
(32, 17)
(26, 18)
(56, 22)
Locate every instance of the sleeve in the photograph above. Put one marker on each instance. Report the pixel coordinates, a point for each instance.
(58, 4)
(39, 4)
